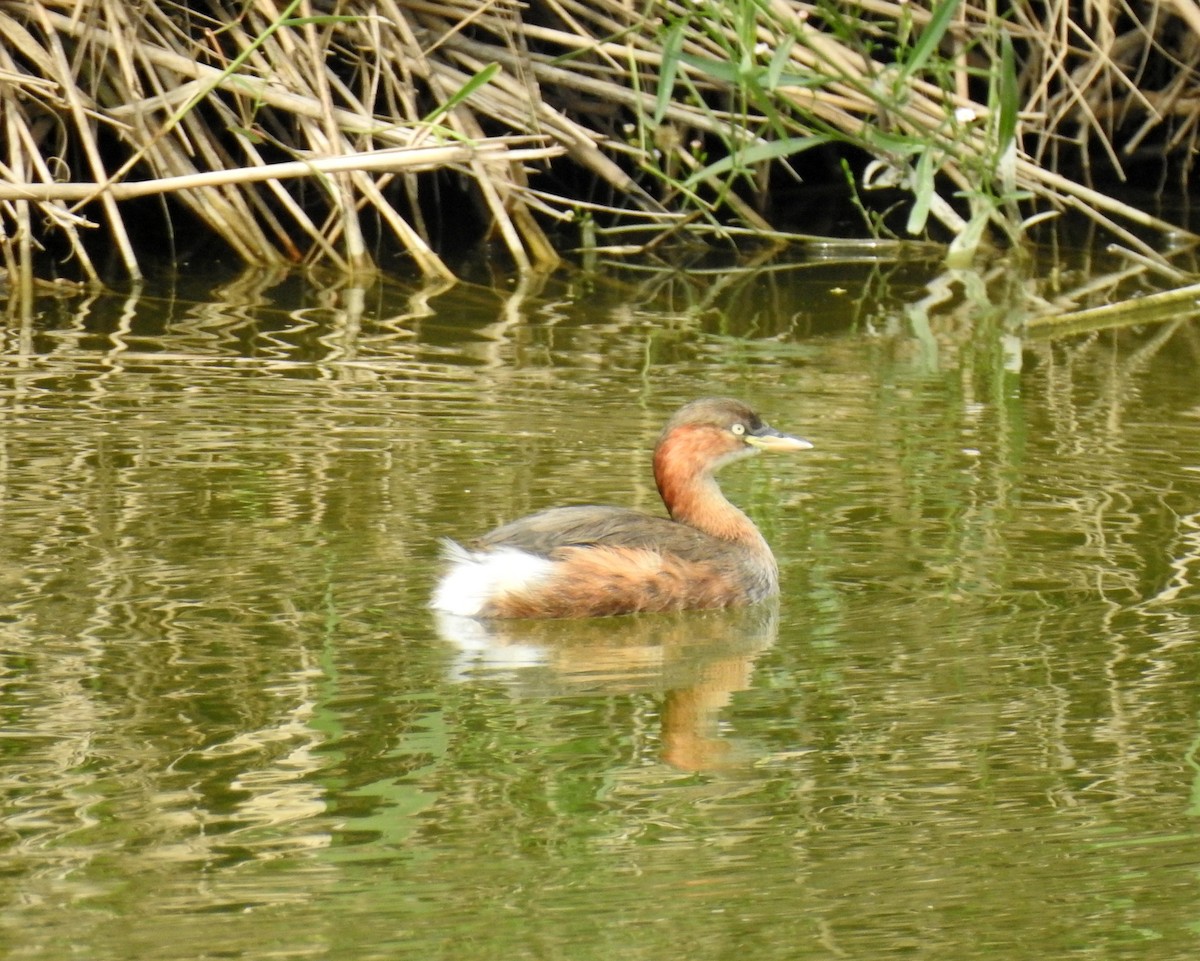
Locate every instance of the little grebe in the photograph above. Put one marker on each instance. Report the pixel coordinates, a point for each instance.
(595, 561)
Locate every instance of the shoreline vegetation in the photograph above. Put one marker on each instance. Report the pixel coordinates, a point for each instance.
(322, 132)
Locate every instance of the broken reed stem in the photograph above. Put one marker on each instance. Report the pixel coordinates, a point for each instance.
(406, 159)
(1169, 305)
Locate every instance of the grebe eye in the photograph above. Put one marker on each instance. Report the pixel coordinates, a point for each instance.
(738, 429)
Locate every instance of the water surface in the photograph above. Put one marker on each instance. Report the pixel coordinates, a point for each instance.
(968, 729)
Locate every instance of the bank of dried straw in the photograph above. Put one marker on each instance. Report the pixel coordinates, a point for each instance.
(311, 132)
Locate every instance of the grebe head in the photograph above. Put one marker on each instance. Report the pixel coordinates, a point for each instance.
(707, 434)
(704, 436)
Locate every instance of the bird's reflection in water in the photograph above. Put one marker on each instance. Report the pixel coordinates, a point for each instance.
(696, 660)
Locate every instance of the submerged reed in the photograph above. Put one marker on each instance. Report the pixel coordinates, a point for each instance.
(310, 131)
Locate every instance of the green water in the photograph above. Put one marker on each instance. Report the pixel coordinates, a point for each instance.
(968, 730)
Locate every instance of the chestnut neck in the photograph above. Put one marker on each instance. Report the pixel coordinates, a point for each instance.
(683, 470)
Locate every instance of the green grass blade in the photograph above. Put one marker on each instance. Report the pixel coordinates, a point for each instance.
(923, 188)
(672, 47)
(480, 79)
(716, 69)
(320, 21)
(759, 153)
(931, 36)
(1008, 93)
(779, 60)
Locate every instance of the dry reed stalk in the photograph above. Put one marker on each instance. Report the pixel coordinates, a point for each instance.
(408, 159)
(1174, 306)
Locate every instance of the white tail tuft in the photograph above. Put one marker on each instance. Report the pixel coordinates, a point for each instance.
(475, 578)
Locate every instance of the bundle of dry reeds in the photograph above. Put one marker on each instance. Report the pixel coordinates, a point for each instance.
(299, 130)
